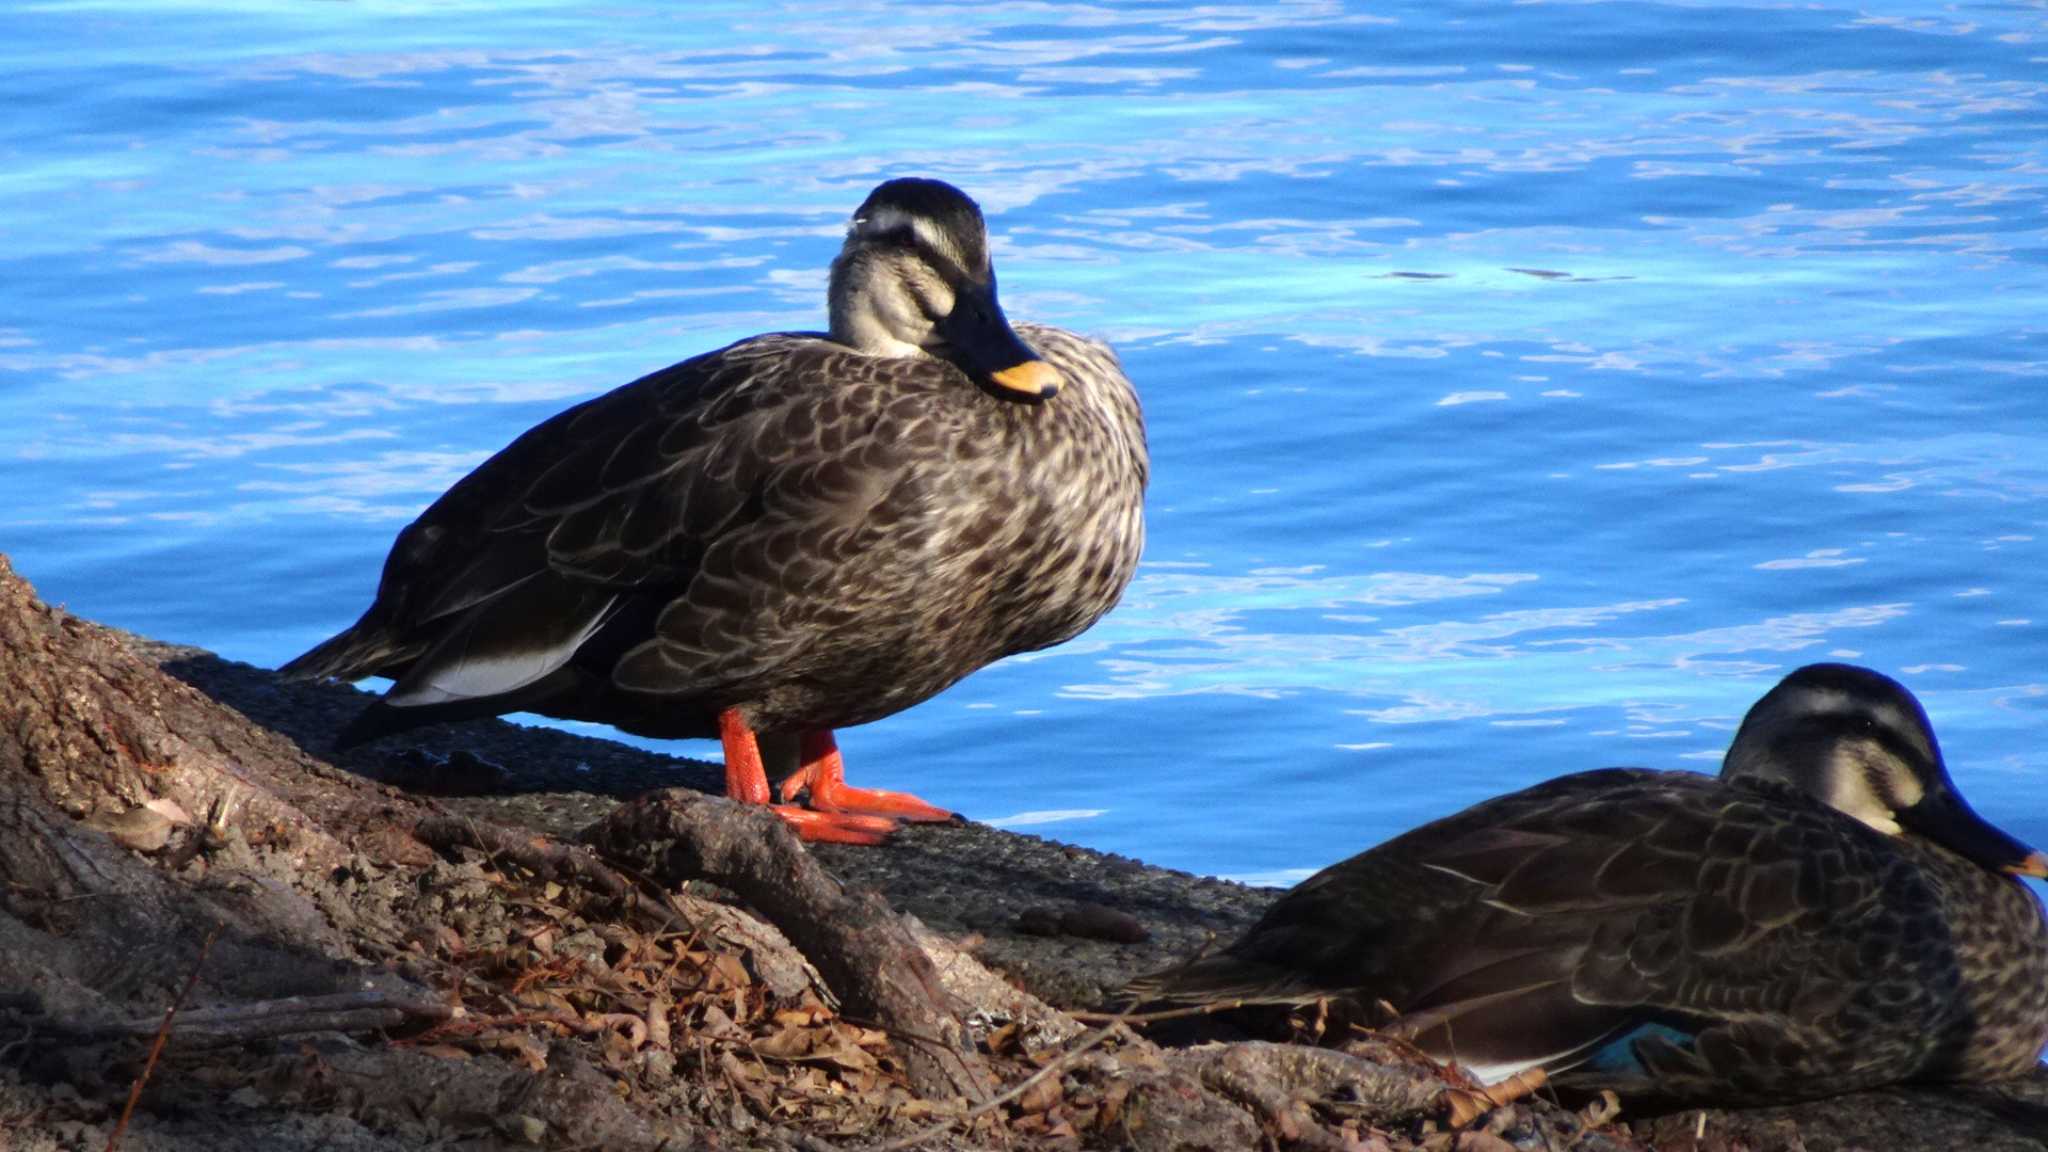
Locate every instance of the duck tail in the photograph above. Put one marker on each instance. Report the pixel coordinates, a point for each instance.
(1221, 997)
(1214, 980)
(365, 649)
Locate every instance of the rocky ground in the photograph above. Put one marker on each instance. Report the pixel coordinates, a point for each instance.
(486, 936)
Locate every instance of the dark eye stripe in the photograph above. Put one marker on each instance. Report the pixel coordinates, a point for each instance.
(1898, 745)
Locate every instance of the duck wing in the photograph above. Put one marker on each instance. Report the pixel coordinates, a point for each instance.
(693, 496)
(1655, 926)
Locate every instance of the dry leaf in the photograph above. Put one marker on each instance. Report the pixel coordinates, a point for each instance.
(624, 1028)
(1112, 1103)
(1041, 1096)
(531, 1052)
(729, 972)
(846, 1057)
(713, 1020)
(785, 1044)
(657, 1022)
(1002, 1039)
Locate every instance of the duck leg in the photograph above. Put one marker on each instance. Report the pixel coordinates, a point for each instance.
(823, 772)
(747, 782)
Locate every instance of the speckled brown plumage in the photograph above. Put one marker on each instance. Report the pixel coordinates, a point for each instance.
(1782, 948)
(810, 534)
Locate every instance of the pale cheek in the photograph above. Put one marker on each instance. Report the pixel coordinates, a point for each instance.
(1906, 790)
(1851, 794)
(907, 322)
(889, 324)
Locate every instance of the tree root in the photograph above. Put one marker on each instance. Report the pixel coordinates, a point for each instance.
(857, 942)
(286, 1016)
(1275, 1080)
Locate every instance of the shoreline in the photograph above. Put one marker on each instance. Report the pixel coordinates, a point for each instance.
(317, 834)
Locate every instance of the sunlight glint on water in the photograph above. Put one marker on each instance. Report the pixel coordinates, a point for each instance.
(1529, 386)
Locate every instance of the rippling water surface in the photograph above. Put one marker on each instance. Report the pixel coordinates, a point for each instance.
(1529, 386)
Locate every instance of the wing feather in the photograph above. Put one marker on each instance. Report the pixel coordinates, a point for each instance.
(654, 490)
(1724, 932)
(506, 643)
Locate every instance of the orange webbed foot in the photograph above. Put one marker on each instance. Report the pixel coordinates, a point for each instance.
(823, 775)
(834, 827)
(901, 805)
(747, 782)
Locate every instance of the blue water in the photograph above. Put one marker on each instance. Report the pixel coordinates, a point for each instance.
(1529, 386)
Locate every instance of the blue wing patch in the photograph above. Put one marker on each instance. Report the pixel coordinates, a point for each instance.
(1618, 1056)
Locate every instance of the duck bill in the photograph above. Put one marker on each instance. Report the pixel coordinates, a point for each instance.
(979, 339)
(1943, 818)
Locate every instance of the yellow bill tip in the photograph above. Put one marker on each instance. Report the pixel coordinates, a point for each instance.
(1033, 378)
(2036, 864)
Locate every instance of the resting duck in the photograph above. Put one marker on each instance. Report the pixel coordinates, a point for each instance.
(795, 533)
(1827, 915)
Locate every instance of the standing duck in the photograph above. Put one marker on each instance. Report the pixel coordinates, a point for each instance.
(795, 533)
(1827, 915)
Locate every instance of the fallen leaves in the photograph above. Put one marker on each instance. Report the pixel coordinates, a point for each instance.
(675, 1008)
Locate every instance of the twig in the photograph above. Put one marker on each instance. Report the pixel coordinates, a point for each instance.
(1059, 1064)
(163, 1033)
(1465, 1105)
(477, 1025)
(1163, 1014)
(28, 1033)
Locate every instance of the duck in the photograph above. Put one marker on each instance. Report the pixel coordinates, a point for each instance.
(1827, 914)
(793, 534)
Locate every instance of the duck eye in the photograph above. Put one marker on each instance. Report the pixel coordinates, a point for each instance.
(897, 233)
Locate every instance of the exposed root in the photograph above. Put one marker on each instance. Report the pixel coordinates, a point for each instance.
(545, 858)
(857, 942)
(287, 1016)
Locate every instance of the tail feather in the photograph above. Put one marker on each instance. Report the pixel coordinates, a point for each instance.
(364, 649)
(1227, 997)
(1220, 979)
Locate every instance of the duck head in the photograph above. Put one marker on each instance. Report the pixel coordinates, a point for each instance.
(914, 279)
(1858, 741)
